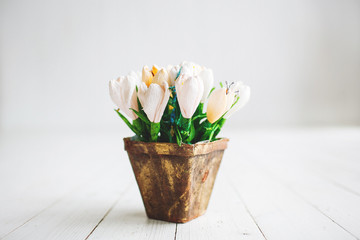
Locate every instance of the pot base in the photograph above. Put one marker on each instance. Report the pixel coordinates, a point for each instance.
(184, 220)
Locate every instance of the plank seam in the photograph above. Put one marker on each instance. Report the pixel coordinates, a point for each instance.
(341, 186)
(31, 218)
(247, 209)
(287, 186)
(46, 208)
(175, 231)
(107, 212)
(316, 208)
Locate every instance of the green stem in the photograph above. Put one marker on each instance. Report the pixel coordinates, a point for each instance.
(212, 132)
(220, 124)
(205, 130)
(198, 115)
(154, 131)
(185, 128)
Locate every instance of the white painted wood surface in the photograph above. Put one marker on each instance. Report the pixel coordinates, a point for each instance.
(272, 184)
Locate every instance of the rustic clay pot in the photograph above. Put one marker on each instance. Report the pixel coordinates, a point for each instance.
(175, 181)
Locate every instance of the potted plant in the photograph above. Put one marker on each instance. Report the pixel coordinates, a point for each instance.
(175, 153)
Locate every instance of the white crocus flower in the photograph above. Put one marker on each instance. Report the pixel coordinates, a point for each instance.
(161, 76)
(243, 92)
(154, 99)
(207, 77)
(147, 75)
(173, 73)
(155, 69)
(123, 94)
(221, 101)
(193, 69)
(217, 104)
(189, 90)
(190, 68)
(136, 76)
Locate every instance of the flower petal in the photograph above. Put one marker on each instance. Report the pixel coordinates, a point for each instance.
(147, 75)
(207, 77)
(161, 76)
(173, 73)
(189, 92)
(122, 92)
(244, 94)
(114, 92)
(150, 98)
(216, 105)
(161, 107)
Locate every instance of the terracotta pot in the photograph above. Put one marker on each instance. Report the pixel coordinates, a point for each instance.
(175, 181)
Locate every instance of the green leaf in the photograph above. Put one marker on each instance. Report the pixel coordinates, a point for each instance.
(220, 125)
(211, 91)
(235, 102)
(137, 124)
(178, 137)
(128, 123)
(141, 116)
(141, 108)
(165, 135)
(184, 125)
(221, 84)
(199, 116)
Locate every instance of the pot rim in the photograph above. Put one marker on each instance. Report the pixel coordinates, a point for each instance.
(166, 148)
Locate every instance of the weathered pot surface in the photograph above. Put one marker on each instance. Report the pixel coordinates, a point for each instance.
(175, 181)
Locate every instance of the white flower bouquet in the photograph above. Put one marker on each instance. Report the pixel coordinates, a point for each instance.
(174, 147)
(166, 104)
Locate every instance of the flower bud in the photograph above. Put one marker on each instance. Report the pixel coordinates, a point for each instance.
(161, 76)
(123, 94)
(207, 77)
(189, 90)
(147, 75)
(243, 92)
(154, 99)
(217, 104)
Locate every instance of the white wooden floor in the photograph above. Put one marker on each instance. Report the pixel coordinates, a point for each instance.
(272, 184)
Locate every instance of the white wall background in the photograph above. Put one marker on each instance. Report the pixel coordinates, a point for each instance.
(301, 58)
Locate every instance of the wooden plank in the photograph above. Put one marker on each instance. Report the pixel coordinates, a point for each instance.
(38, 177)
(279, 212)
(340, 206)
(337, 203)
(226, 217)
(76, 215)
(290, 184)
(331, 153)
(337, 171)
(128, 220)
(20, 208)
